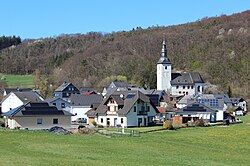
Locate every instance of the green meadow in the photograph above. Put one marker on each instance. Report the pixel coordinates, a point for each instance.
(21, 81)
(218, 145)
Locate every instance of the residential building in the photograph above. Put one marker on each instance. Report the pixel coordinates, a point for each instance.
(126, 109)
(15, 99)
(193, 112)
(80, 104)
(59, 103)
(33, 115)
(65, 90)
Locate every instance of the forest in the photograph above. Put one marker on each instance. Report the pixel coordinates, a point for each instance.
(217, 47)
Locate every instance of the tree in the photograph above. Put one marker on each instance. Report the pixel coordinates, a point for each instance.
(44, 87)
(36, 78)
(229, 92)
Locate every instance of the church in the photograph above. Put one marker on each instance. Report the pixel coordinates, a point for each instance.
(178, 84)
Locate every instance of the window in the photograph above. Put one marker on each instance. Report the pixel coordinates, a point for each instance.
(134, 108)
(108, 108)
(54, 104)
(39, 121)
(166, 67)
(199, 88)
(101, 120)
(177, 87)
(184, 87)
(121, 120)
(188, 87)
(55, 121)
(148, 108)
(192, 87)
(63, 105)
(186, 93)
(179, 92)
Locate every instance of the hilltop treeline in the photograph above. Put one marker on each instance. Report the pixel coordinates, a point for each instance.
(216, 47)
(7, 41)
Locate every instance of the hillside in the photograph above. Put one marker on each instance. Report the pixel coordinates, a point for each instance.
(217, 47)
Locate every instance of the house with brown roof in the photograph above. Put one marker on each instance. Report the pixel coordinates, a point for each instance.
(37, 115)
(126, 109)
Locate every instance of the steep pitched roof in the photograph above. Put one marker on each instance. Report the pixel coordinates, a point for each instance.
(129, 102)
(85, 100)
(186, 78)
(63, 86)
(36, 109)
(28, 96)
(8, 90)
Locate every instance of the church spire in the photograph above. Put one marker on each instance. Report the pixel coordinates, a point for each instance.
(164, 58)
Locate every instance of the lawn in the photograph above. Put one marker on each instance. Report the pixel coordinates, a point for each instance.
(21, 81)
(219, 145)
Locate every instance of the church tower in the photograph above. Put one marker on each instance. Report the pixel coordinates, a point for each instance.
(163, 70)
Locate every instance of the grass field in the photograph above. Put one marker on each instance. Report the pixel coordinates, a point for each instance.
(221, 145)
(21, 81)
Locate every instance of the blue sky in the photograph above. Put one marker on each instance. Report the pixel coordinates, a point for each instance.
(48, 18)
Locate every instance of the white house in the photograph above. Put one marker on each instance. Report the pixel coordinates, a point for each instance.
(126, 109)
(37, 116)
(177, 83)
(81, 103)
(15, 99)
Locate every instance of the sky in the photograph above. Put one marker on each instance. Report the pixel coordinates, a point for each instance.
(49, 18)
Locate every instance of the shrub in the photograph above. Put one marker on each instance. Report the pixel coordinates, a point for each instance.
(199, 123)
(94, 123)
(168, 125)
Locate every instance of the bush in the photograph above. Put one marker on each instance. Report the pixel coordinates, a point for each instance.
(168, 125)
(199, 123)
(94, 123)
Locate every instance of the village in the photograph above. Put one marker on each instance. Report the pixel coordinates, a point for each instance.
(180, 98)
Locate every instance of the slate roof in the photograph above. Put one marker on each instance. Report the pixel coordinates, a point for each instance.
(195, 108)
(50, 100)
(184, 99)
(26, 96)
(63, 86)
(36, 109)
(186, 78)
(85, 100)
(8, 90)
(121, 84)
